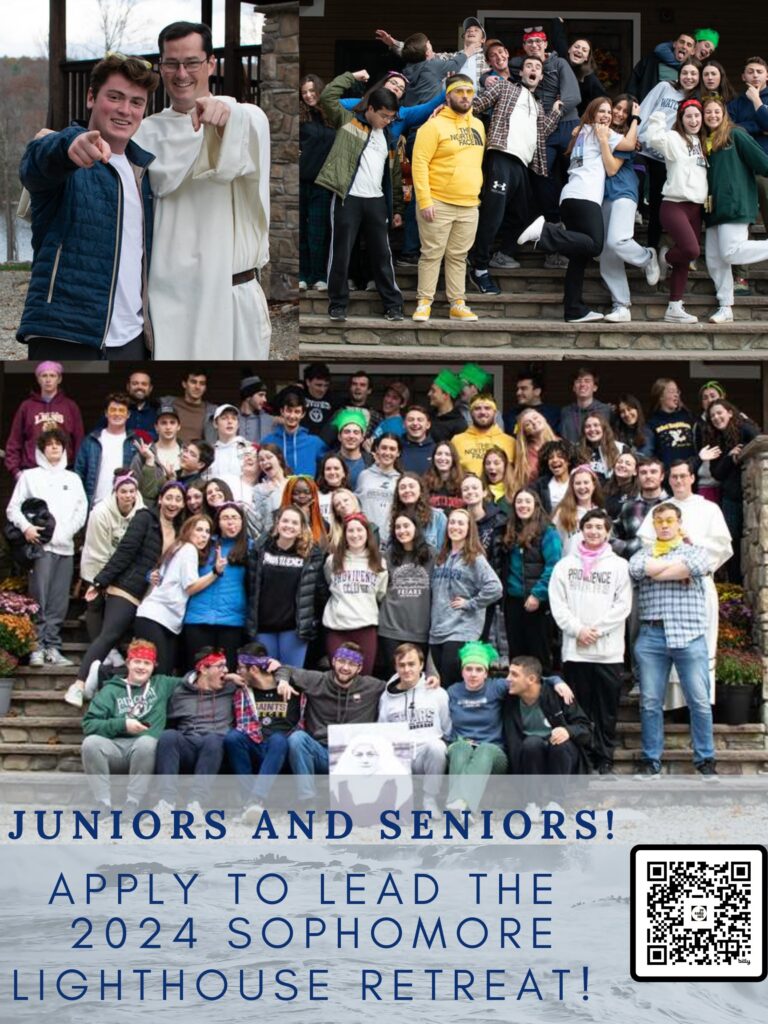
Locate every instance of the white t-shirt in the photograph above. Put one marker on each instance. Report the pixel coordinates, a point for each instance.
(586, 172)
(521, 137)
(111, 459)
(556, 492)
(367, 180)
(127, 320)
(167, 602)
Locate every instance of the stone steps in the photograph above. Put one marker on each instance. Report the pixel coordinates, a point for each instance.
(377, 338)
(540, 305)
(679, 762)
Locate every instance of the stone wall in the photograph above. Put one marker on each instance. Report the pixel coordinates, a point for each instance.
(755, 546)
(280, 102)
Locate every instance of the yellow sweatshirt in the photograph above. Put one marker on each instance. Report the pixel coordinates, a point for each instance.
(447, 159)
(472, 445)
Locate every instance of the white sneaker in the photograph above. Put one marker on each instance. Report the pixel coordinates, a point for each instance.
(457, 805)
(502, 260)
(675, 314)
(92, 680)
(37, 659)
(370, 286)
(252, 814)
(533, 811)
(554, 807)
(533, 232)
(162, 808)
(652, 270)
(55, 657)
(664, 267)
(320, 286)
(302, 286)
(74, 695)
(619, 315)
(588, 318)
(194, 808)
(722, 315)
(430, 805)
(114, 658)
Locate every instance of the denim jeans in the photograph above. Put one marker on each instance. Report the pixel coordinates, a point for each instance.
(307, 758)
(266, 759)
(287, 647)
(199, 755)
(654, 660)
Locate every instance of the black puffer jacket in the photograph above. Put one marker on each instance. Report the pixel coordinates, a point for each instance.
(311, 595)
(137, 554)
(36, 512)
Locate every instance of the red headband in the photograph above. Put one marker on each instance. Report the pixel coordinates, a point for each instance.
(691, 102)
(209, 660)
(139, 649)
(534, 35)
(356, 517)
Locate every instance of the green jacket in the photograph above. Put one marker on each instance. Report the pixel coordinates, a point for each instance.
(116, 701)
(732, 180)
(352, 136)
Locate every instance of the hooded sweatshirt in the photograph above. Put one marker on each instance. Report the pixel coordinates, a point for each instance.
(447, 159)
(376, 491)
(35, 415)
(106, 528)
(424, 711)
(196, 712)
(302, 451)
(355, 593)
(62, 491)
(475, 442)
(329, 703)
(477, 583)
(602, 599)
(117, 700)
(686, 164)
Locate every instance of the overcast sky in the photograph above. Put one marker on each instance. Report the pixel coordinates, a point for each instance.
(24, 32)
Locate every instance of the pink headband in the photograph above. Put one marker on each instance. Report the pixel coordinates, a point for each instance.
(49, 364)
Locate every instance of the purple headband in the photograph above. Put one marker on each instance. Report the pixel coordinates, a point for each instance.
(261, 661)
(348, 654)
(126, 478)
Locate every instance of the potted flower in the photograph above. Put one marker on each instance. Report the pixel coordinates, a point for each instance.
(18, 638)
(738, 674)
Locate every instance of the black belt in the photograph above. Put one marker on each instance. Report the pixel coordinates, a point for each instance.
(244, 276)
(658, 623)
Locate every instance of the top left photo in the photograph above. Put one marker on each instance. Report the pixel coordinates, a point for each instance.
(149, 181)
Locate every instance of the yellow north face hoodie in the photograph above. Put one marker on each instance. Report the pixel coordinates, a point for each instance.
(447, 159)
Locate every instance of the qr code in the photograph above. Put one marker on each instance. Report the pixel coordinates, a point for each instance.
(698, 913)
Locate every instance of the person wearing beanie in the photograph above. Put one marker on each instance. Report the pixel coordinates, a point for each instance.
(448, 150)
(255, 421)
(705, 42)
(447, 419)
(351, 426)
(45, 408)
(474, 381)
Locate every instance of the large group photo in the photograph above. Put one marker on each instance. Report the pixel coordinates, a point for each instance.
(223, 565)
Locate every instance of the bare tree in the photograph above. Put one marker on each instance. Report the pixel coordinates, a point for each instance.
(114, 20)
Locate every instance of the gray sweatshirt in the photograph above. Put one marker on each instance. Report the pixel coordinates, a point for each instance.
(201, 711)
(477, 583)
(376, 491)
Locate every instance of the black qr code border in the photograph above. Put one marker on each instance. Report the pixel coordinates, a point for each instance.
(718, 847)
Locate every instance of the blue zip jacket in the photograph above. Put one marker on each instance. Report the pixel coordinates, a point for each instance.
(742, 112)
(302, 451)
(224, 602)
(88, 459)
(77, 218)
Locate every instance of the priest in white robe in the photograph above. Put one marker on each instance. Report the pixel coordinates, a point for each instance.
(704, 525)
(210, 179)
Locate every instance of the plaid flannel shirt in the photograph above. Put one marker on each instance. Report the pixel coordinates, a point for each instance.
(679, 604)
(502, 94)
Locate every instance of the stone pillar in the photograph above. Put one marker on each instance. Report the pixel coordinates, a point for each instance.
(280, 102)
(754, 551)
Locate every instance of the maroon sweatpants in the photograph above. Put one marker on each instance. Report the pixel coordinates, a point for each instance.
(682, 222)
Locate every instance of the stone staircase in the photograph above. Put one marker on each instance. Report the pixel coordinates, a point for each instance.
(42, 733)
(527, 320)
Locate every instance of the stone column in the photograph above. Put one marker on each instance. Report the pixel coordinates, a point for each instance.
(754, 551)
(280, 102)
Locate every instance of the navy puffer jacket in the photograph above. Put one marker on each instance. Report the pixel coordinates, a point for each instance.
(76, 233)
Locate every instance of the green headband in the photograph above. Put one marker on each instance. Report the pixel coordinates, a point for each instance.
(476, 653)
(347, 416)
(471, 373)
(708, 34)
(448, 382)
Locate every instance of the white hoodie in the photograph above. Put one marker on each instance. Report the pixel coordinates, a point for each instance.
(62, 491)
(602, 599)
(686, 165)
(424, 711)
(106, 528)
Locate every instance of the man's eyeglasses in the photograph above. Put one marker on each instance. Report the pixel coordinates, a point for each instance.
(387, 118)
(192, 65)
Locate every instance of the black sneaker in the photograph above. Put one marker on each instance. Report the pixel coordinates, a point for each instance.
(708, 771)
(337, 313)
(406, 259)
(396, 313)
(647, 771)
(483, 282)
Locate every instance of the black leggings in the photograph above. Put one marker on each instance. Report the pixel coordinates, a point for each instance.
(223, 638)
(528, 633)
(164, 640)
(580, 239)
(119, 614)
(446, 659)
